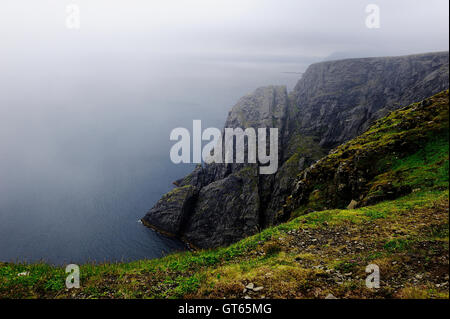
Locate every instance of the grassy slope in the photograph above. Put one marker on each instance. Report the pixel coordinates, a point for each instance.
(312, 255)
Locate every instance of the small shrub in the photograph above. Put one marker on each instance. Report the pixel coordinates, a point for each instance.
(271, 248)
(397, 244)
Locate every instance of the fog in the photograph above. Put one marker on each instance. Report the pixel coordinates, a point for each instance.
(85, 114)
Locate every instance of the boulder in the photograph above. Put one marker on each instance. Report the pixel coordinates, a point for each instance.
(172, 210)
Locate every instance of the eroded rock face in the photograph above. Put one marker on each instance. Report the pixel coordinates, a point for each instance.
(226, 211)
(334, 102)
(227, 204)
(172, 210)
(338, 100)
(362, 172)
(265, 107)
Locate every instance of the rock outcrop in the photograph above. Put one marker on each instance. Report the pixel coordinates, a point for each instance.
(367, 169)
(228, 206)
(338, 100)
(218, 204)
(172, 210)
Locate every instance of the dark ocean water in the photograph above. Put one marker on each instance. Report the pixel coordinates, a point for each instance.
(82, 200)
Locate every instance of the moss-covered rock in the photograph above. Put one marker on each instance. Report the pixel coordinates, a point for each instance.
(385, 162)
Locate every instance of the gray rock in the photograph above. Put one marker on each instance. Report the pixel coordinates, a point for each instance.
(338, 100)
(301, 164)
(250, 286)
(352, 204)
(172, 210)
(226, 211)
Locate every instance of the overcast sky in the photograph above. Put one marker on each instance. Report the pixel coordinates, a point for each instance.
(229, 29)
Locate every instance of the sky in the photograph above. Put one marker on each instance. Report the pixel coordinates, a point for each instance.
(225, 29)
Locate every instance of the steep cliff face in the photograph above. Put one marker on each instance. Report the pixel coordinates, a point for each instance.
(227, 202)
(265, 107)
(338, 100)
(218, 204)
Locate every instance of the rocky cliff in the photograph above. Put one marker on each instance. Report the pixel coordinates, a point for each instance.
(371, 168)
(338, 100)
(218, 204)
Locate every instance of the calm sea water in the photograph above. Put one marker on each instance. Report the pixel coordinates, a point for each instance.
(84, 148)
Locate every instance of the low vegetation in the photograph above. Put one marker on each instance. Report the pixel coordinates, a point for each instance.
(310, 257)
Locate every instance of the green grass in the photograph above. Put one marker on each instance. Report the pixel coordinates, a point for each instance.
(429, 167)
(397, 244)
